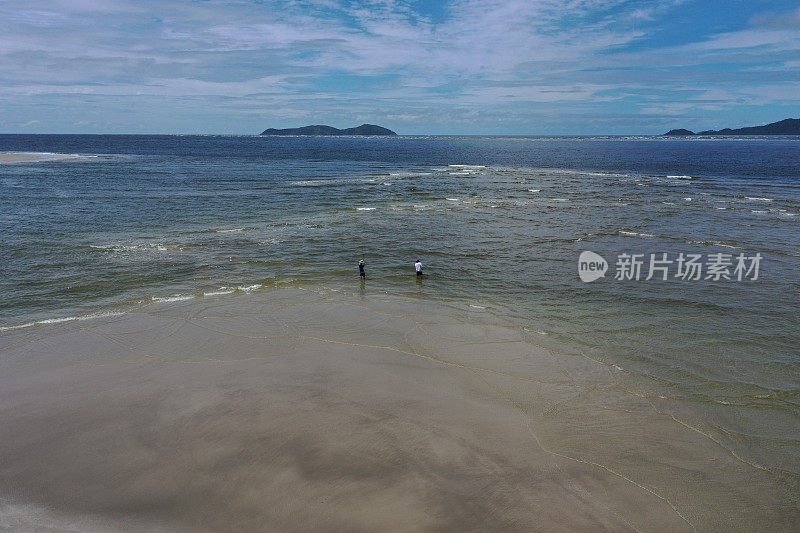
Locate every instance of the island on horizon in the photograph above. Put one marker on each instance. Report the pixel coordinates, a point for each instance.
(320, 129)
(789, 126)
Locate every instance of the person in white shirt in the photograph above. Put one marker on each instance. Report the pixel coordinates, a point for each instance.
(418, 267)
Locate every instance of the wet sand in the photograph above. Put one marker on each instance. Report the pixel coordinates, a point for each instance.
(297, 409)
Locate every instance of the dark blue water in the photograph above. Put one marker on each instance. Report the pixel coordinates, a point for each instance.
(766, 157)
(168, 217)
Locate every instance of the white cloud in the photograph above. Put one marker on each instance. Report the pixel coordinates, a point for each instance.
(290, 58)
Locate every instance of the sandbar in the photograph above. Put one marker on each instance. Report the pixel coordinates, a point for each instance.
(290, 410)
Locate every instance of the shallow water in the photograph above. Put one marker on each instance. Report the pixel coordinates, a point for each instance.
(498, 222)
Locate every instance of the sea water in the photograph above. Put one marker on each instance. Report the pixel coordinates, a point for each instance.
(499, 224)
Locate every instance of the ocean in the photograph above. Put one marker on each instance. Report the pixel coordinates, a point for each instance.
(498, 222)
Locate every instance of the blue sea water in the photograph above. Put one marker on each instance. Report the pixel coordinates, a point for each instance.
(499, 223)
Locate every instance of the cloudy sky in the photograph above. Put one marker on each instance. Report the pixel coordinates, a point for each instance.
(416, 66)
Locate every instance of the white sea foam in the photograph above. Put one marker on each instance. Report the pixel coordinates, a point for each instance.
(219, 292)
(534, 190)
(173, 298)
(313, 183)
(471, 167)
(337, 182)
(128, 248)
(41, 157)
(634, 234)
(452, 199)
(714, 243)
(758, 199)
(477, 306)
(19, 326)
(688, 198)
(232, 230)
(680, 177)
(59, 320)
(365, 208)
(604, 174)
(249, 288)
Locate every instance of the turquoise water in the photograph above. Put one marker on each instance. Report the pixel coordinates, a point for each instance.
(498, 222)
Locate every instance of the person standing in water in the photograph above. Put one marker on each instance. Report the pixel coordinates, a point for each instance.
(418, 267)
(361, 271)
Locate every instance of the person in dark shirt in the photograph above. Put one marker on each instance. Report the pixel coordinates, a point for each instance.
(361, 271)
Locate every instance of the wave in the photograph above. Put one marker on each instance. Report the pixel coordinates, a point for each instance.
(714, 243)
(336, 182)
(127, 248)
(42, 157)
(604, 174)
(249, 288)
(758, 199)
(463, 173)
(470, 167)
(635, 234)
(320, 183)
(60, 320)
(220, 292)
(174, 298)
(366, 208)
(407, 174)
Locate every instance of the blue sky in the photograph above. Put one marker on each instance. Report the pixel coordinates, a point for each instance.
(415, 66)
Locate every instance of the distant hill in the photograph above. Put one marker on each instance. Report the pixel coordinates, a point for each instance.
(789, 126)
(680, 132)
(364, 129)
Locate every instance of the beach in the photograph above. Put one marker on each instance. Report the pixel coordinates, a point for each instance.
(403, 266)
(292, 409)
(8, 158)
(186, 344)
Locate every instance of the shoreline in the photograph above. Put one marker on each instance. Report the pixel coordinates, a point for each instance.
(12, 158)
(296, 409)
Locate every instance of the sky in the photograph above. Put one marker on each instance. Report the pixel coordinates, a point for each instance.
(513, 67)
